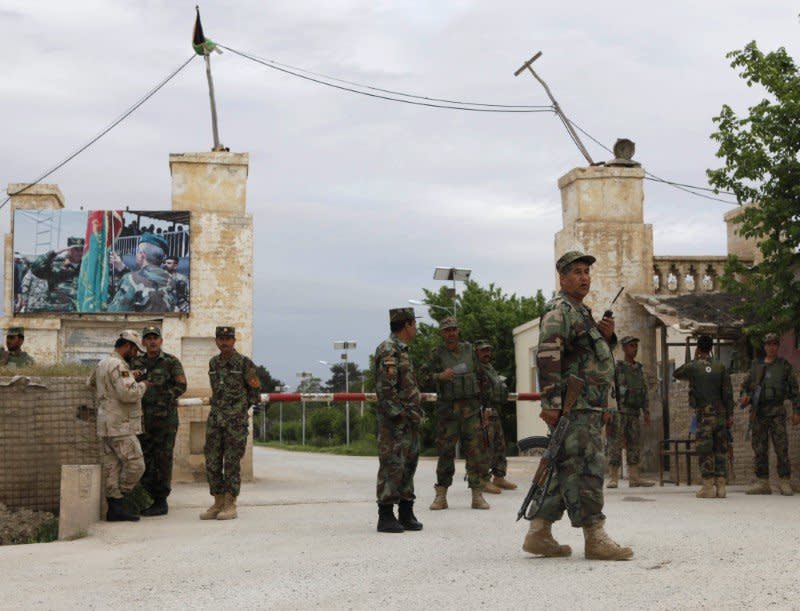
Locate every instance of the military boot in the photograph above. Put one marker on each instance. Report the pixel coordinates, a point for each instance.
(116, 512)
(785, 486)
(405, 511)
(478, 502)
(613, 477)
(502, 483)
(707, 491)
(599, 546)
(540, 541)
(760, 487)
(635, 480)
(440, 502)
(158, 508)
(488, 486)
(720, 483)
(387, 523)
(212, 512)
(228, 511)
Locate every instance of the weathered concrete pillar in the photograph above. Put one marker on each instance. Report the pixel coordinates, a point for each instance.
(81, 498)
(744, 248)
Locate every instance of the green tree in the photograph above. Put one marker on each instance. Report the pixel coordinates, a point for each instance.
(336, 383)
(760, 151)
(268, 383)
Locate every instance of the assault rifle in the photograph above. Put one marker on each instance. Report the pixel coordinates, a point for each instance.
(484, 409)
(544, 474)
(755, 398)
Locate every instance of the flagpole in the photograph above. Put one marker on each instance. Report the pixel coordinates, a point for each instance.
(217, 146)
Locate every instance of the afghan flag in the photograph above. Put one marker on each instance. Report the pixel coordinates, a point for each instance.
(201, 44)
(102, 228)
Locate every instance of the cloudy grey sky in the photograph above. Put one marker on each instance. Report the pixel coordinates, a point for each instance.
(356, 200)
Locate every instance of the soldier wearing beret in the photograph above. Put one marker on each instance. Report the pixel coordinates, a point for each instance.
(399, 414)
(711, 397)
(160, 416)
(571, 344)
(61, 269)
(13, 356)
(631, 393)
(453, 368)
(776, 382)
(234, 388)
(150, 288)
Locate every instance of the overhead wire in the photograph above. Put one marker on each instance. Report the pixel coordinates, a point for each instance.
(104, 131)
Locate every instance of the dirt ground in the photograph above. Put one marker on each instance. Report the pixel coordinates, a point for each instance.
(26, 526)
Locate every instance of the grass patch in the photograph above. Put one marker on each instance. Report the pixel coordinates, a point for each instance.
(361, 447)
(49, 371)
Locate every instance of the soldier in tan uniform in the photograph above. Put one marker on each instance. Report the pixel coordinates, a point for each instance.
(119, 420)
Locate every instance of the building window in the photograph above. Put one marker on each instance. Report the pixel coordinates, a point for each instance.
(534, 372)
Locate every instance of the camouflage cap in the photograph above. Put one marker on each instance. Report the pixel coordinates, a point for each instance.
(155, 240)
(15, 331)
(152, 330)
(402, 315)
(73, 242)
(571, 257)
(133, 337)
(628, 339)
(448, 323)
(226, 332)
(772, 338)
(483, 343)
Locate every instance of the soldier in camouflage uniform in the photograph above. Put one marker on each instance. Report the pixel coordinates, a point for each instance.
(33, 294)
(399, 414)
(631, 394)
(235, 387)
(149, 288)
(778, 383)
(453, 367)
(498, 397)
(181, 285)
(14, 356)
(160, 416)
(571, 343)
(711, 396)
(60, 270)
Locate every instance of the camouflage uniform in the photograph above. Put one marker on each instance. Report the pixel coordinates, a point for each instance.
(457, 414)
(711, 396)
(235, 387)
(632, 398)
(150, 289)
(498, 396)
(12, 360)
(399, 415)
(62, 282)
(33, 293)
(160, 409)
(778, 383)
(181, 292)
(571, 344)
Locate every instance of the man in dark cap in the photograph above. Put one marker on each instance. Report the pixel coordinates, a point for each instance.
(160, 416)
(711, 396)
(234, 388)
(399, 414)
(60, 270)
(14, 356)
(150, 288)
(776, 383)
(573, 345)
(631, 394)
(453, 368)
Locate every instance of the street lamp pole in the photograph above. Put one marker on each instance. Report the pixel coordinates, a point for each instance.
(304, 375)
(345, 346)
(461, 274)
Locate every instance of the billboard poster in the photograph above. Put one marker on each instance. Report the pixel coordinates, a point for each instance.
(101, 261)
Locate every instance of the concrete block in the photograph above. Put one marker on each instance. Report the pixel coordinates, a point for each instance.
(81, 498)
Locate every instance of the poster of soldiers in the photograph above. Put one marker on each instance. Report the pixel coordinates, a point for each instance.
(101, 261)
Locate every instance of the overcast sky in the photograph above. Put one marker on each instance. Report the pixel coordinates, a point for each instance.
(356, 200)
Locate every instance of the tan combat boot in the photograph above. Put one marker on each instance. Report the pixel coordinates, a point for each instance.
(707, 491)
(502, 482)
(211, 512)
(540, 541)
(760, 487)
(785, 486)
(229, 509)
(599, 546)
(440, 502)
(613, 477)
(635, 480)
(488, 486)
(720, 482)
(478, 502)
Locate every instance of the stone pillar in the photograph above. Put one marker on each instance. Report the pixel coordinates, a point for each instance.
(80, 500)
(744, 248)
(602, 210)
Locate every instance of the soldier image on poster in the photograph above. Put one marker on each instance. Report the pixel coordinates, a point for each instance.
(60, 270)
(148, 289)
